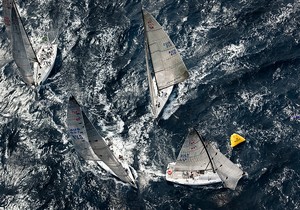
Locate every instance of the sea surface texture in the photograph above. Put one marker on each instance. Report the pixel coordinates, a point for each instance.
(243, 59)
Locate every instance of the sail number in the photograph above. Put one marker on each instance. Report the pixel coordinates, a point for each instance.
(150, 24)
(184, 157)
(75, 133)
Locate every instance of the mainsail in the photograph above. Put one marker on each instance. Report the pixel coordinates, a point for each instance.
(169, 69)
(21, 47)
(90, 145)
(193, 155)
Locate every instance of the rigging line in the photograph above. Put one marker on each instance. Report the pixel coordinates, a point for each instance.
(200, 137)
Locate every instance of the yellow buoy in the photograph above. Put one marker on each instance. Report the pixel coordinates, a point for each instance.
(236, 139)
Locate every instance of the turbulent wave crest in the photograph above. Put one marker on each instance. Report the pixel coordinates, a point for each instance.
(243, 59)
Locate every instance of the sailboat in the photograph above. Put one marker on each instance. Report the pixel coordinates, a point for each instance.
(91, 146)
(167, 64)
(34, 67)
(200, 163)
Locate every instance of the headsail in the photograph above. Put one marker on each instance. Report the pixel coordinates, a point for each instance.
(193, 155)
(227, 170)
(22, 50)
(168, 66)
(87, 134)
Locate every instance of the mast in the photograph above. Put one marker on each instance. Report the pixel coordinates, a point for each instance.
(200, 137)
(150, 80)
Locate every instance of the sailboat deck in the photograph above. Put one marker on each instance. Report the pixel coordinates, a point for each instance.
(191, 177)
(46, 57)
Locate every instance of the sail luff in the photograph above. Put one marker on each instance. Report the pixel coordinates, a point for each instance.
(168, 66)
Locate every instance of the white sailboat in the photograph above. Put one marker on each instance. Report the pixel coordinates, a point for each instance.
(167, 64)
(34, 68)
(200, 163)
(91, 146)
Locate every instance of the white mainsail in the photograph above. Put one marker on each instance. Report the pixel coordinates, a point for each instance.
(193, 155)
(90, 145)
(200, 163)
(169, 69)
(22, 50)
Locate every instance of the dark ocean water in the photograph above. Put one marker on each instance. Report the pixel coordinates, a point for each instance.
(243, 58)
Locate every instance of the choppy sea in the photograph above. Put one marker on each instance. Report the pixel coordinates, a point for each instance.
(243, 59)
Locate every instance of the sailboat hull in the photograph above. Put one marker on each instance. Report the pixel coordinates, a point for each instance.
(191, 178)
(160, 99)
(46, 57)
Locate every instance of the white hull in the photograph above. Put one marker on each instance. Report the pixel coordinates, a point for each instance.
(46, 57)
(191, 178)
(160, 99)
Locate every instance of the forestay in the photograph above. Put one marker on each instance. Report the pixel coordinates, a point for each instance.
(168, 66)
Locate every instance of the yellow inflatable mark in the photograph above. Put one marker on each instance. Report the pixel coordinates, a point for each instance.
(236, 139)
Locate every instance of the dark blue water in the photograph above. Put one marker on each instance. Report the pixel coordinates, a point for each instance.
(243, 58)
